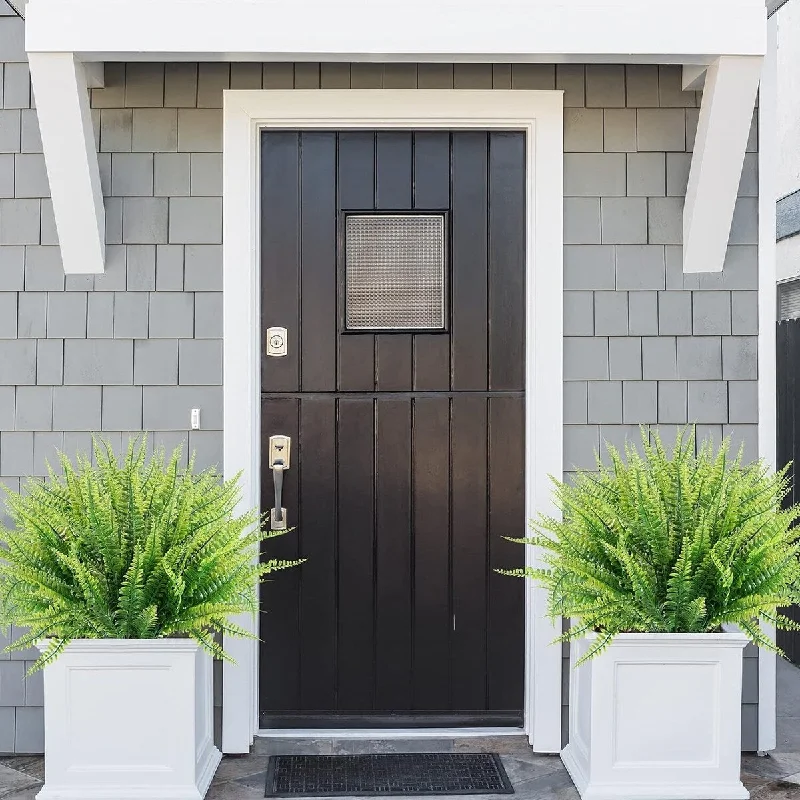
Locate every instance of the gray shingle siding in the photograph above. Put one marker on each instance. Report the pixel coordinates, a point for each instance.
(139, 346)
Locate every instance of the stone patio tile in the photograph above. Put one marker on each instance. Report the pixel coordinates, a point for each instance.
(788, 739)
(754, 782)
(25, 794)
(780, 790)
(522, 770)
(233, 768)
(28, 765)
(232, 790)
(13, 782)
(556, 785)
(359, 746)
(279, 746)
(773, 766)
(256, 781)
(511, 745)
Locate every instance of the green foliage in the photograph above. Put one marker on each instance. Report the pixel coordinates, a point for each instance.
(132, 549)
(680, 542)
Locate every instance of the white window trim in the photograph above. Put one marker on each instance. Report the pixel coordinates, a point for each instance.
(539, 114)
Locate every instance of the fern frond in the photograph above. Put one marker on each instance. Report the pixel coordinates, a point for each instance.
(134, 547)
(680, 540)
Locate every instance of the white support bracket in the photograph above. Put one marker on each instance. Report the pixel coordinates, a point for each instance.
(726, 114)
(694, 77)
(95, 74)
(61, 89)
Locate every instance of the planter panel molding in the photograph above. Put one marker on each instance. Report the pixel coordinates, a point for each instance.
(161, 689)
(657, 716)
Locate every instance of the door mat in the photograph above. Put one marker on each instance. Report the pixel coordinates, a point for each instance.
(386, 774)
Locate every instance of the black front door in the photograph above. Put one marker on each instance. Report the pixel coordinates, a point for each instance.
(395, 262)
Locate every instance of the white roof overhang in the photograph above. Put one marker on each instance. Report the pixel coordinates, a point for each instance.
(64, 36)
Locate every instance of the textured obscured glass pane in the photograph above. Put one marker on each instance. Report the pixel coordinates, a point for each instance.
(395, 271)
(789, 300)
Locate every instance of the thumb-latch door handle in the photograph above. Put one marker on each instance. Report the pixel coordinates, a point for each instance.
(279, 449)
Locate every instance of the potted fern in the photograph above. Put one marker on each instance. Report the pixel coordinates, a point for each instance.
(666, 563)
(125, 573)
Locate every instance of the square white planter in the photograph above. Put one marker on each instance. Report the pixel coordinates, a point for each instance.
(657, 716)
(129, 719)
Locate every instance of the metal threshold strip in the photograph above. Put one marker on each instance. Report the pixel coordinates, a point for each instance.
(387, 733)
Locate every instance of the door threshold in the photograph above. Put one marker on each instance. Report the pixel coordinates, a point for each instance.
(386, 733)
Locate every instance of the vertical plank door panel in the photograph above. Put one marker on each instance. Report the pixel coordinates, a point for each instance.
(280, 256)
(432, 616)
(393, 184)
(317, 472)
(469, 504)
(393, 362)
(506, 261)
(356, 182)
(506, 614)
(469, 289)
(318, 246)
(432, 170)
(393, 190)
(280, 598)
(432, 192)
(794, 362)
(356, 554)
(393, 646)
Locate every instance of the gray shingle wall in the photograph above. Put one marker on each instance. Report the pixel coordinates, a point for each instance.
(645, 343)
(134, 349)
(139, 346)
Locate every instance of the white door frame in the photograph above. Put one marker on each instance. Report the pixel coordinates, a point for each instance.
(539, 114)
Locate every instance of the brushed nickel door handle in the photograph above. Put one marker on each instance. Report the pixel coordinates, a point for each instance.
(279, 451)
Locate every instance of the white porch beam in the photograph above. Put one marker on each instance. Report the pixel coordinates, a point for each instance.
(726, 114)
(62, 102)
(656, 31)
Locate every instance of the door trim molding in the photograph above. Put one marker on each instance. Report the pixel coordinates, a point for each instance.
(539, 114)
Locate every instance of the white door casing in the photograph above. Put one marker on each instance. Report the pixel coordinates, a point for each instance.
(539, 114)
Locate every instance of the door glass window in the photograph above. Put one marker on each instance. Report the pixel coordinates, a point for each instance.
(395, 272)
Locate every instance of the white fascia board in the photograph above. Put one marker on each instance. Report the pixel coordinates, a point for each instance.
(62, 102)
(461, 30)
(726, 114)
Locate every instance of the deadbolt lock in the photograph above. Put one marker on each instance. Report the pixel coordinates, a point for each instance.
(276, 342)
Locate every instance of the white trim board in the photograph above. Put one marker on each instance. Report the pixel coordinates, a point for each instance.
(540, 115)
(767, 365)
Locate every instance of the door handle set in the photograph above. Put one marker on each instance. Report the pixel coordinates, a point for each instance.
(280, 447)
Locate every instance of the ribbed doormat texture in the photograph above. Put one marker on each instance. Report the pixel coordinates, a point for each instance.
(386, 774)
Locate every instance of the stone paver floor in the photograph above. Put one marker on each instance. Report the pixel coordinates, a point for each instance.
(535, 777)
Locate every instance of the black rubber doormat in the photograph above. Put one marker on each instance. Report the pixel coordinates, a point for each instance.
(386, 774)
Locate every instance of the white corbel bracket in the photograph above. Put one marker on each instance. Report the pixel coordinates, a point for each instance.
(726, 113)
(61, 88)
(694, 76)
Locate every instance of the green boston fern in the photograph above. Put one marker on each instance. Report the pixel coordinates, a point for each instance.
(134, 548)
(669, 542)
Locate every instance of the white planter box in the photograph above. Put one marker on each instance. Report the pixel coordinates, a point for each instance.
(657, 716)
(129, 719)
